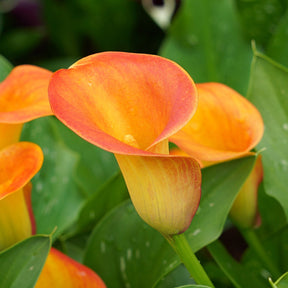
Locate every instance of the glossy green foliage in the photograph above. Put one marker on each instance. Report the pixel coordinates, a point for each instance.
(269, 92)
(21, 264)
(221, 184)
(73, 170)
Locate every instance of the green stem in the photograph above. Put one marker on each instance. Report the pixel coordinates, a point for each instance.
(182, 248)
(254, 243)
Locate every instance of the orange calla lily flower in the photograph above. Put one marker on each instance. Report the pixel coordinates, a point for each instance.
(18, 164)
(23, 97)
(61, 271)
(225, 126)
(129, 104)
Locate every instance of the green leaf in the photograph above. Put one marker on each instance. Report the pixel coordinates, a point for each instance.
(58, 189)
(269, 92)
(270, 222)
(206, 40)
(19, 42)
(238, 274)
(121, 245)
(95, 166)
(56, 198)
(107, 197)
(123, 20)
(20, 265)
(276, 248)
(220, 185)
(282, 282)
(259, 18)
(5, 68)
(278, 45)
(178, 276)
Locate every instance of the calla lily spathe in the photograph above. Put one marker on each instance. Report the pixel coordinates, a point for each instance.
(225, 126)
(18, 164)
(23, 97)
(129, 104)
(61, 271)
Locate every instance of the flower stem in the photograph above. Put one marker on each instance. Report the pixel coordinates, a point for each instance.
(256, 245)
(182, 248)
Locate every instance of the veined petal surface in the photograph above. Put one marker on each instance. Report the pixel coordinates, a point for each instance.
(24, 94)
(225, 126)
(164, 190)
(123, 102)
(61, 271)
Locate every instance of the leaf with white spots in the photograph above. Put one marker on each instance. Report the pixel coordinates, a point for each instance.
(73, 169)
(122, 245)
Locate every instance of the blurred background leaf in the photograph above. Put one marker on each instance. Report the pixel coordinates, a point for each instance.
(278, 44)
(5, 68)
(38, 32)
(206, 39)
(259, 19)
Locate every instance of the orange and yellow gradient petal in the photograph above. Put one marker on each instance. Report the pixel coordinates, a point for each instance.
(18, 164)
(129, 104)
(123, 102)
(225, 126)
(23, 97)
(61, 271)
(164, 190)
